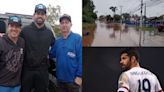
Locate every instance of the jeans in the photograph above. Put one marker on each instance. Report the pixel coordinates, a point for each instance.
(10, 89)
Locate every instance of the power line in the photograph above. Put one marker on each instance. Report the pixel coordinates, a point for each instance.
(149, 3)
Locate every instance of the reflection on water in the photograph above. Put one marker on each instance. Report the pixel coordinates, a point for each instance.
(88, 34)
(114, 34)
(88, 37)
(101, 32)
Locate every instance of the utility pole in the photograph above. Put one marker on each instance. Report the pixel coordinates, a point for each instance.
(140, 32)
(144, 22)
(121, 21)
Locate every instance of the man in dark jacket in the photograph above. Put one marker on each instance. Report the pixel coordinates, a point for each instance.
(11, 56)
(38, 39)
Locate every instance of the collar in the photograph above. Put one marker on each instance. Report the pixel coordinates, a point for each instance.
(6, 37)
(34, 26)
(70, 32)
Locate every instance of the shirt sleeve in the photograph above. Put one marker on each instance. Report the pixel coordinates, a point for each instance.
(157, 86)
(79, 57)
(52, 39)
(21, 33)
(1, 46)
(123, 81)
(52, 52)
(122, 90)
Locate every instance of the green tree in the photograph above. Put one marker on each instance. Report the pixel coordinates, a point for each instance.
(126, 16)
(89, 15)
(117, 18)
(53, 16)
(109, 18)
(102, 18)
(113, 9)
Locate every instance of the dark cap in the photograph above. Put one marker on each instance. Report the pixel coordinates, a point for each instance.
(40, 7)
(65, 16)
(15, 19)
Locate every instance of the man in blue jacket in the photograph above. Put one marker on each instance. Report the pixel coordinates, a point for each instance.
(68, 53)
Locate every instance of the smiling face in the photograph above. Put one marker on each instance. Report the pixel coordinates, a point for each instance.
(13, 30)
(39, 17)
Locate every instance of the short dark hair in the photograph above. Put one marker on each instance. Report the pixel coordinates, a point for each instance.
(131, 52)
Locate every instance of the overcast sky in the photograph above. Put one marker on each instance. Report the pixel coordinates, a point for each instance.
(156, 7)
(71, 7)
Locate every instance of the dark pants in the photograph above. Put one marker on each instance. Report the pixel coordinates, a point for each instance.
(35, 80)
(68, 87)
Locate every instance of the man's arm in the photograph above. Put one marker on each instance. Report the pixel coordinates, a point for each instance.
(160, 91)
(123, 84)
(1, 48)
(52, 53)
(122, 90)
(158, 87)
(78, 78)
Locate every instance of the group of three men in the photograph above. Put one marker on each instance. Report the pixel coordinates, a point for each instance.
(25, 53)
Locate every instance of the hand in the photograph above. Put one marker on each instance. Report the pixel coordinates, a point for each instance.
(78, 80)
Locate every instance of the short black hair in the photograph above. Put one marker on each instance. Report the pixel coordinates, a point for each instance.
(131, 51)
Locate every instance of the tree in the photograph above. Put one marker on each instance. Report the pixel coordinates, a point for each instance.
(113, 8)
(126, 16)
(109, 18)
(89, 16)
(117, 18)
(102, 18)
(53, 16)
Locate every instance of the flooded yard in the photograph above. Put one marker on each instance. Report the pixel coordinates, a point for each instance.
(120, 35)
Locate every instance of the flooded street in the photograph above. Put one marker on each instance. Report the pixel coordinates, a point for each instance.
(105, 35)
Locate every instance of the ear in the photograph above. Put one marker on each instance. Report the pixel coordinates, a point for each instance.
(46, 17)
(133, 59)
(33, 16)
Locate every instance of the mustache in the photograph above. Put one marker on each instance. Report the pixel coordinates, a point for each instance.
(40, 18)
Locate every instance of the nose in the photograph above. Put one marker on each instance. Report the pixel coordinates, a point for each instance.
(121, 61)
(39, 15)
(64, 24)
(14, 27)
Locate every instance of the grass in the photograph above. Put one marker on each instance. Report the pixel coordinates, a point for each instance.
(146, 28)
(88, 26)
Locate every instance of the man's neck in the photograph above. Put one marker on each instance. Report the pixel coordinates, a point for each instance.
(135, 65)
(39, 26)
(14, 39)
(66, 34)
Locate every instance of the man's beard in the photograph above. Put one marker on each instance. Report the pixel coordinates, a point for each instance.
(127, 67)
(39, 21)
